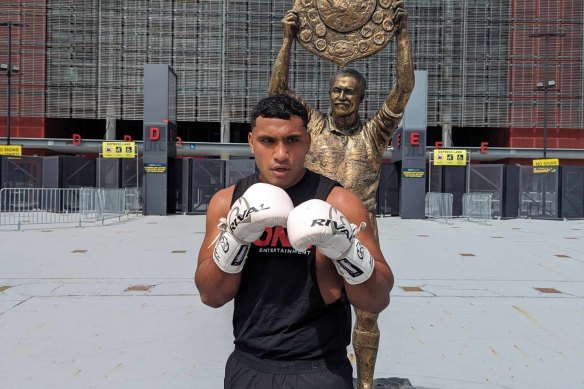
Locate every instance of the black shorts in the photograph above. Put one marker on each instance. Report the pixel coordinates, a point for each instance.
(244, 371)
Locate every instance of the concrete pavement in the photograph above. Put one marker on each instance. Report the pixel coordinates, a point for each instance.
(496, 305)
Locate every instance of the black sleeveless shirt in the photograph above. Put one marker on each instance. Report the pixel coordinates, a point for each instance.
(279, 311)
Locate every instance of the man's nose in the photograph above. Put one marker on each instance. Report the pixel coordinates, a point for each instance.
(281, 152)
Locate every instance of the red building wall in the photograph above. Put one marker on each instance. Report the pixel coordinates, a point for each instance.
(29, 52)
(563, 58)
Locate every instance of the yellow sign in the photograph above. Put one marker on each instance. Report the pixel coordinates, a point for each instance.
(118, 149)
(13, 150)
(450, 157)
(545, 165)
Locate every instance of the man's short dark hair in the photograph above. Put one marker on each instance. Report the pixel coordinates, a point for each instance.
(354, 73)
(280, 106)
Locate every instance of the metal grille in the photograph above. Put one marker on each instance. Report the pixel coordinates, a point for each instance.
(482, 61)
(22, 206)
(28, 52)
(477, 206)
(438, 205)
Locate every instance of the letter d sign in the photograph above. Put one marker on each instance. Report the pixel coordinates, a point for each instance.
(154, 133)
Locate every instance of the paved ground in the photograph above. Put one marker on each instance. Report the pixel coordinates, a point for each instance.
(465, 312)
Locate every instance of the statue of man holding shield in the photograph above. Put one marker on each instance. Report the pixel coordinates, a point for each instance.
(344, 147)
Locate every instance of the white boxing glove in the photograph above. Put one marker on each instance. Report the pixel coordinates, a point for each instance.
(318, 223)
(262, 205)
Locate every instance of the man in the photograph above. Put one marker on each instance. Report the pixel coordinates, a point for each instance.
(292, 286)
(350, 151)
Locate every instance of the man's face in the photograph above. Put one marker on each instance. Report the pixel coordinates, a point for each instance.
(345, 95)
(279, 147)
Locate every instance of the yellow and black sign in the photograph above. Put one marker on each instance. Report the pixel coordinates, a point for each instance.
(413, 173)
(12, 150)
(155, 167)
(545, 165)
(450, 157)
(118, 149)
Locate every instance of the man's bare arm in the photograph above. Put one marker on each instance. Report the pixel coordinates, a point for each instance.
(281, 71)
(215, 286)
(372, 295)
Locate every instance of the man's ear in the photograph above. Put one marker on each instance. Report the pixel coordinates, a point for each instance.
(249, 138)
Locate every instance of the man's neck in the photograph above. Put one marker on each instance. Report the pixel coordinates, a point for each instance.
(347, 124)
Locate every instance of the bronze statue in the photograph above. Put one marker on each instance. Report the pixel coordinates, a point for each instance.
(345, 148)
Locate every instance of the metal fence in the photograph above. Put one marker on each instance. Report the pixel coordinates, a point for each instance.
(477, 206)
(22, 206)
(438, 205)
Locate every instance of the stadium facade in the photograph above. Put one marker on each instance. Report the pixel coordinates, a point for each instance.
(81, 67)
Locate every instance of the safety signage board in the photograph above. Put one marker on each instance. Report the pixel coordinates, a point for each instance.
(155, 167)
(450, 157)
(413, 173)
(118, 149)
(12, 150)
(547, 165)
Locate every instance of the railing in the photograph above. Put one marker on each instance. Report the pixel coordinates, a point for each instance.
(21, 206)
(477, 206)
(438, 205)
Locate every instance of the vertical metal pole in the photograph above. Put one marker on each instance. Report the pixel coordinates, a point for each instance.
(9, 74)
(545, 90)
(468, 174)
(430, 171)
(222, 77)
(99, 169)
(463, 66)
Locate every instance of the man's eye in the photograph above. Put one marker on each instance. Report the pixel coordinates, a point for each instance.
(267, 140)
(293, 140)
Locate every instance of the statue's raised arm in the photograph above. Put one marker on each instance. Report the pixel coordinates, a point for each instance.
(402, 89)
(281, 71)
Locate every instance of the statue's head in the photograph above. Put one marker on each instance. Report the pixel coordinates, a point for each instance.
(347, 90)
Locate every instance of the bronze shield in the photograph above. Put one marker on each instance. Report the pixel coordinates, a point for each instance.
(343, 31)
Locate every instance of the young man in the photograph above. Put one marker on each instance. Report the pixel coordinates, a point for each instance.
(282, 244)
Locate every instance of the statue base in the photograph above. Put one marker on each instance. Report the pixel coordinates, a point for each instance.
(389, 383)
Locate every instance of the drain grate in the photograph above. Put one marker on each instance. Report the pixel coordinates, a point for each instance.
(4, 287)
(178, 251)
(562, 256)
(411, 289)
(547, 290)
(466, 254)
(139, 288)
(78, 251)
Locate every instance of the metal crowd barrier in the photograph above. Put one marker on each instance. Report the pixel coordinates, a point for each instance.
(477, 206)
(21, 206)
(438, 205)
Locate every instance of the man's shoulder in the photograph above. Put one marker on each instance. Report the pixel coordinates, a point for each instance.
(343, 199)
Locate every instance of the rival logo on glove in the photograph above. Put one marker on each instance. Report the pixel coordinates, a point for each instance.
(224, 243)
(337, 228)
(245, 216)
